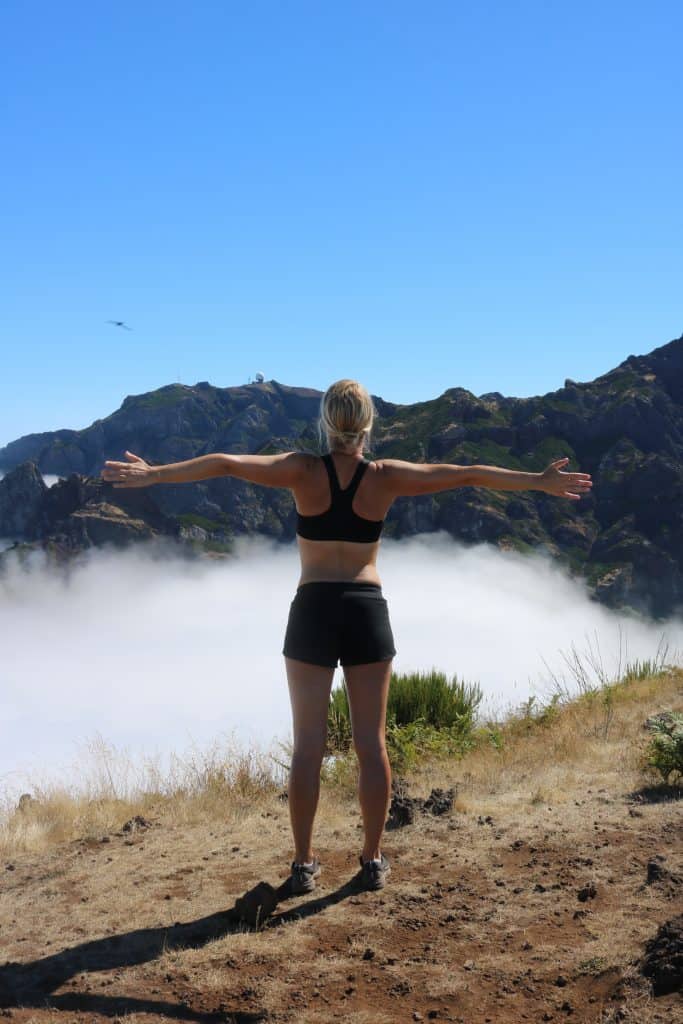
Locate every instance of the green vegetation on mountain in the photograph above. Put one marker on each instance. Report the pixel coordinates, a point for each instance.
(625, 428)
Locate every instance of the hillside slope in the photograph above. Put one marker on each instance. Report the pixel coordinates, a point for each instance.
(533, 898)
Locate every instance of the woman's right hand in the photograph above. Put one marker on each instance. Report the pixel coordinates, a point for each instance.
(134, 473)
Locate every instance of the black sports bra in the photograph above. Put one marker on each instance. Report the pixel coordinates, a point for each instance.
(339, 521)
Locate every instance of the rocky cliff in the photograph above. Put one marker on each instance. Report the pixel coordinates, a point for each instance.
(625, 428)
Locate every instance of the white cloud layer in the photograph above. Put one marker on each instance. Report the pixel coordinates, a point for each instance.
(159, 654)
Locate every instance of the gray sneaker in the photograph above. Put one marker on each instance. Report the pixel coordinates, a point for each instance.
(373, 874)
(304, 876)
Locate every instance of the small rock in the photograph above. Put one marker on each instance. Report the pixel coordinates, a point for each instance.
(588, 892)
(468, 965)
(655, 872)
(402, 810)
(560, 981)
(417, 1016)
(137, 822)
(439, 801)
(369, 954)
(663, 959)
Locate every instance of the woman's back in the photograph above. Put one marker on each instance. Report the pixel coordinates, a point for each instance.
(341, 505)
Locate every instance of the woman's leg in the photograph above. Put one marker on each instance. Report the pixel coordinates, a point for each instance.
(309, 693)
(368, 689)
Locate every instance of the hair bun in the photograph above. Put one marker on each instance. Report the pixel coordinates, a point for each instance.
(346, 414)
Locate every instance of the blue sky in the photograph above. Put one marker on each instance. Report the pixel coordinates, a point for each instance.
(420, 196)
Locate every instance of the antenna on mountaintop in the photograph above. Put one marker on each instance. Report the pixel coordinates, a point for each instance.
(259, 378)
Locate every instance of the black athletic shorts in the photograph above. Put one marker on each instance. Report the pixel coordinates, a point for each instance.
(341, 621)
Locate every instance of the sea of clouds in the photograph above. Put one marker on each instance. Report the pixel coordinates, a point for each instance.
(149, 652)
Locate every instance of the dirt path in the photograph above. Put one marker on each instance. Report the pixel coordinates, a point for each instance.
(529, 913)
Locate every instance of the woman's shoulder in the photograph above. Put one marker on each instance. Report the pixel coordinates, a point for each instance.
(306, 464)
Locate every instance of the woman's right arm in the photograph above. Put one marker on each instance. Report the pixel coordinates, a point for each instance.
(285, 469)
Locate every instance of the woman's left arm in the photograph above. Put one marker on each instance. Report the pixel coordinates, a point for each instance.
(552, 480)
(282, 470)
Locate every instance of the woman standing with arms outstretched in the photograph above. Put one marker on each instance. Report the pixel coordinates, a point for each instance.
(339, 612)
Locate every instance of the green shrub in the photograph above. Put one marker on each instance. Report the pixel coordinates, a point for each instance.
(665, 752)
(338, 721)
(408, 745)
(531, 713)
(431, 697)
(436, 712)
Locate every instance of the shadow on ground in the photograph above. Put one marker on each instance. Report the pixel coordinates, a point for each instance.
(657, 794)
(32, 984)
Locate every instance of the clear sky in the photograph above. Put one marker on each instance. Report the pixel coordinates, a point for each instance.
(420, 196)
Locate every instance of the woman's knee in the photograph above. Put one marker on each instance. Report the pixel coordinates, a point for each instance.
(309, 750)
(370, 748)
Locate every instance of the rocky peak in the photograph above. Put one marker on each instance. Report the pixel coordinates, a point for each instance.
(22, 494)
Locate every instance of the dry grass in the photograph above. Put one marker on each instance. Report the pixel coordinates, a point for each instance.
(223, 783)
(589, 738)
(541, 756)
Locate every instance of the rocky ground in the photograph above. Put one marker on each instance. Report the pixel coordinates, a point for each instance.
(555, 897)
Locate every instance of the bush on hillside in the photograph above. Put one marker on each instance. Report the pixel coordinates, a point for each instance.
(665, 752)
(425, 710)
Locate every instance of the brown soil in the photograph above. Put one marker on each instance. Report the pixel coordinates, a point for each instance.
(504, 909)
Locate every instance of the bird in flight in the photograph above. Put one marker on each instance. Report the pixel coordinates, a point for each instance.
(120, 323)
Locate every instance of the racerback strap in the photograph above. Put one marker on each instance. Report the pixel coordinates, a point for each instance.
(332, 474)
(355, 480)
(335, 488)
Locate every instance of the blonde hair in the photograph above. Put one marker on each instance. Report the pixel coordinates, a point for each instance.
(346, 416)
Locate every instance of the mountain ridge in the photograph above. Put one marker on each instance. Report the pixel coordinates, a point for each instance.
(625, 428)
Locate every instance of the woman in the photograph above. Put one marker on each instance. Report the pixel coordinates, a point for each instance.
(339, 612)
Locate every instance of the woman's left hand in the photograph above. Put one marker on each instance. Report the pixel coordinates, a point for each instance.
(564, 485)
